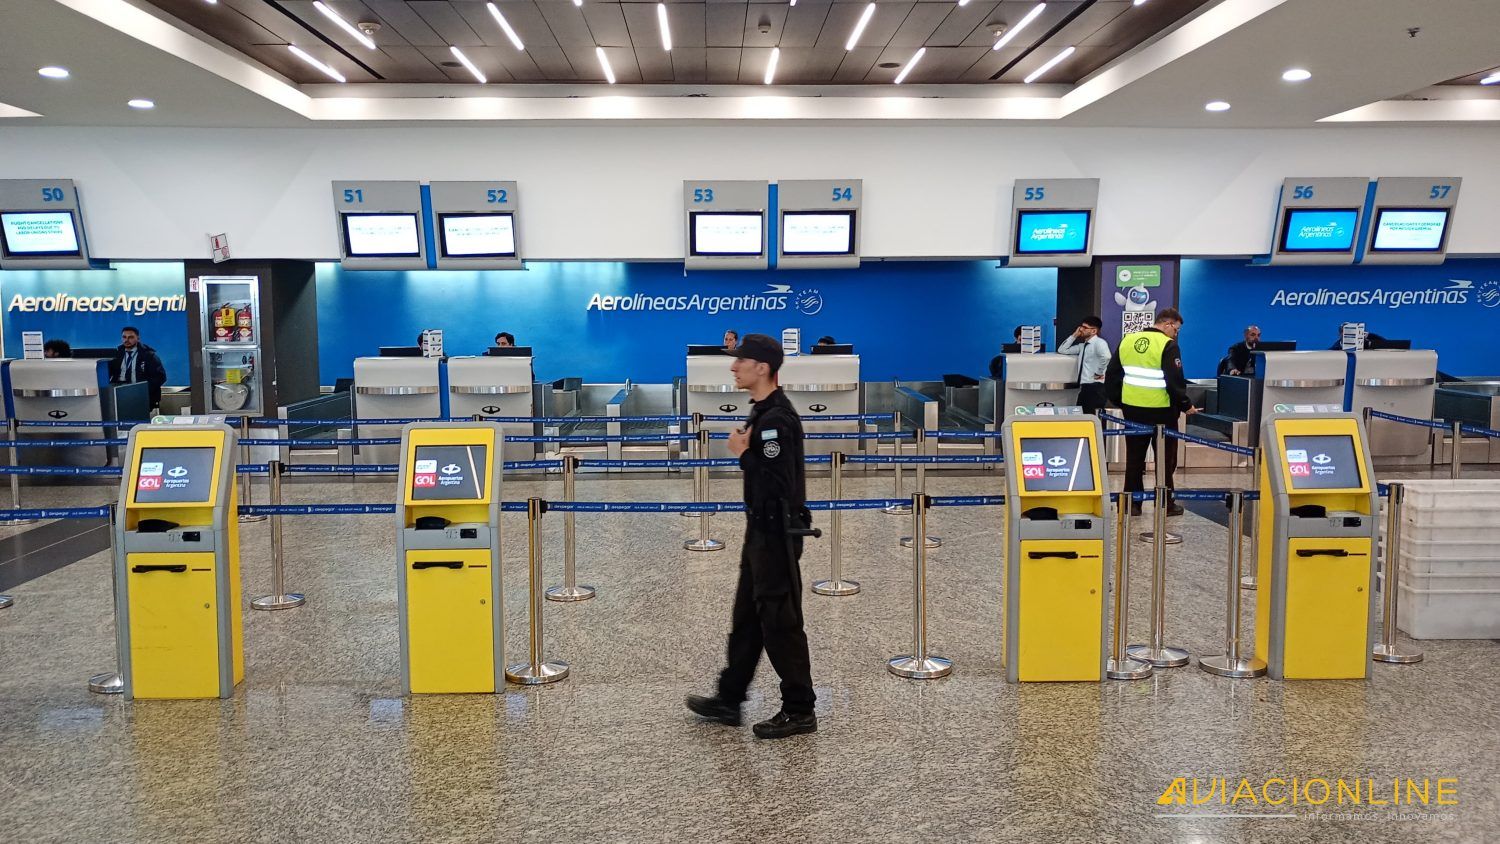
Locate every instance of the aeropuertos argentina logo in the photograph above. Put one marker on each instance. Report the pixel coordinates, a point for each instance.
(776, 297)
(1456, 293)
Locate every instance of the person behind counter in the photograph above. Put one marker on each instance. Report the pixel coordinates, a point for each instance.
(57, 349)
(731, 340)
(1093, 359)
(1241, 353)
(505, 340)
(135, 362)
(826, 340)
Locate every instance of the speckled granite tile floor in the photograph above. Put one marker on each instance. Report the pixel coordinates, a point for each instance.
(318, 743)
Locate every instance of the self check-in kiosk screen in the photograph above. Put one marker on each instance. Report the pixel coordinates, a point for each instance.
(175, 476)
(449, 472)
(1057, 464)
(1325, 461)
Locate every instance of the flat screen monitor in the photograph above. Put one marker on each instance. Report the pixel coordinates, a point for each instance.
(477, 235)
(39, 234)
(1323, 461)
(400, 351)
(1319, 230)
(1410, 229)
(449, 472)
(1057, 464)
(174, 475)
(1276, 346)
(1052, 232)
(510, 351)
(1385, 344)
(1015, 348)
(727, 233)
(833, 349)
(817, 233)
(381, 236)
(696, 351)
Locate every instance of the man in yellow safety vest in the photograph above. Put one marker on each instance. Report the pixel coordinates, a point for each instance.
(1145, 379)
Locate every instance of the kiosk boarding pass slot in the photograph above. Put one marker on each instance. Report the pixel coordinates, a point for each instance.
(1057, 549)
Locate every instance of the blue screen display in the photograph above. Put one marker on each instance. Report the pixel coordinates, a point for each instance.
(1319, 229)
(1052, 232)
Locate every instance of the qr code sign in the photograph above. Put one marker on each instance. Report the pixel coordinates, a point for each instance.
(1133, 321)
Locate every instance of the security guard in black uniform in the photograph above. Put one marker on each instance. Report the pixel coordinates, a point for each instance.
(768, 602)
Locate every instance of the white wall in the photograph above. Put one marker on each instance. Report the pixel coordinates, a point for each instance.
(613, 192)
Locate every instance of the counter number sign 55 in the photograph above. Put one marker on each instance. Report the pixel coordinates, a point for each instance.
(1035, 194)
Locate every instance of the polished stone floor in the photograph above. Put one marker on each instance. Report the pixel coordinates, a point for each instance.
(319, 744)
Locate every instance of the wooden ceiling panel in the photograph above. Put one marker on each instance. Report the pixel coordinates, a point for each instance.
(689, 64)
(568, 26)
(961, 23)
(399, 17)
(607, 24)
(554, 64)
(753, 65)
(856, 64)
(689, 24)
(804, 22)
(725, 24)
(1012, 13)
(414, 63)
(524, 17)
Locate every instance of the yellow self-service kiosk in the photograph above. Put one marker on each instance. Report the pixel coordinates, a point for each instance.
(448, 584)
(1317, 531)
(1057, 549)
(177, 562)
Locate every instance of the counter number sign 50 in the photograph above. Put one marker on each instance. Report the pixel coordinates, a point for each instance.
(52, 195)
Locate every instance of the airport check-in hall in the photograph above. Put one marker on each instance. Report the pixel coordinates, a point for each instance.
(791, 420)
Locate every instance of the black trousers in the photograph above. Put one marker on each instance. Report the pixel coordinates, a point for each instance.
(771, 623)
(1091, 397)
(1136, 447)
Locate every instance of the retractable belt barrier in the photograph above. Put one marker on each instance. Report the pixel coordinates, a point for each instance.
(64, 443)
(963, 435)
(1196, 440)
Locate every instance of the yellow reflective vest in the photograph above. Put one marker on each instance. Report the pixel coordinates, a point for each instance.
(1145, 381)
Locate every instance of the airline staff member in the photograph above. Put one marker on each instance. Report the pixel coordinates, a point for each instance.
(1240, 353)
(768, 601)
(1093, 359)
(731, 340)
(505, 340)
(1146, 380)
(135, 361)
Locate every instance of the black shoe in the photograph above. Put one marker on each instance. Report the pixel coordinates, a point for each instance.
(714, 709)
(1175, 509)
(782, 725)
(1135, 508)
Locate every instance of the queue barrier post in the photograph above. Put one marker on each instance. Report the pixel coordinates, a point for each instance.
(279, 599)
(836, 585)
(570, 591)
(1159, 464)
(539, 670)
(695, 424)
(919, 664)
(13, 428)
(902, 509)
(247, 493)
(1157, 652)
(1120, 665)
(701, 494)
(1251, 580)
(1231, 663)
(110, 682)
(1456, 465)
(921, 441)
(1390, 586)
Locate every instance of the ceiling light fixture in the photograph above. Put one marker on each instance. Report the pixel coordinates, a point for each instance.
(141, 103)
(1217, 105)
(911, 63)
(1051, 63)
(53, 72)
(1296, 74)
(1491, 79)
(1011, 33)
(505, 25)
(301, 54)
(464, 60)
(343, 24)
(963, 2)
(664, 26)
(1139, 2)
(771, 64)
(578, 3)
(609, 72)
(859, 28)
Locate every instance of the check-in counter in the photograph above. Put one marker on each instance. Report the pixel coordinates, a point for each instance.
(1041, 380)
(710, 391)
(70, 390)
(494, 386)
(1295, 380)
(819, 385)
(393, 388)
(1398, 382)
(1473, 403)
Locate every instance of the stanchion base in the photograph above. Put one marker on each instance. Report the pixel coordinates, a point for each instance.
(278, 602)
(1164, 658)
(5, 601)
(837, 588)
(569, 594)
(1129, 669)
(898, 510)
(932, 542)
(535, 675)
(16, 522)
(1394, 654)
(249, 519)
(1241, 668)
(703, 545)
(927, 668)
(691, 515)
(1171, 538)
(108, 683)
(1249, 581)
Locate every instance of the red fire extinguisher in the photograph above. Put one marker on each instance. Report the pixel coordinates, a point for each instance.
(246, 331)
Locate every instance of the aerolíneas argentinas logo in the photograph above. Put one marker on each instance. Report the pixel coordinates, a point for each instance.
(776, 297)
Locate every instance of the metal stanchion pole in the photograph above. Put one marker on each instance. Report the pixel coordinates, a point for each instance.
(1157, 653)
(570, 590)
(921, 441)
(1121, 666)
(701, 494)
(902, 509)
(695, 424)
(1230, 663)
(1159, 463)
(247, 495)
(1457, 464)
(110, 682)
(279, 599)
(14, 428)
(919, 665)
(538, 671)
(836, 585)
(1388, 650)
(1249, 581)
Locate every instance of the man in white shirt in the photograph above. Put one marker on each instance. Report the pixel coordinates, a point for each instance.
(1093, 358)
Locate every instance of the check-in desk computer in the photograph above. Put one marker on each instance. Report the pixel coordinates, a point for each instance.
(1403, 383)
(495, 385)
(1057, 549)
(393, 388)
(710, 390)
(823, 385)
(1317, 537)
(448, 584)
(178, 618)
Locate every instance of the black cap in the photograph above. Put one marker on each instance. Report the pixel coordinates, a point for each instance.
(759, 347)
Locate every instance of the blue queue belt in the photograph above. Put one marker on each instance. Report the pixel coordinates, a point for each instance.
(107, 471)
(1229, 447)
(65, 443)
(928, 459)
(269, 422)
(56, 513)
(1412, 420)
(963, 435)
(69, 423)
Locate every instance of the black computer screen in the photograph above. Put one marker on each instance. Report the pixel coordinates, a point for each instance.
(174, 475)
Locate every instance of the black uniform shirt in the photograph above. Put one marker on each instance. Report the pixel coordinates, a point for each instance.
(773, 463)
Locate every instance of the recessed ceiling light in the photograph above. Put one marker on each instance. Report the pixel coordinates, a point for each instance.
(464, 60)
(859, 28)
(141, 103)
(771, 64)
(327, 70)
(53, 72)
(343, 24)
(609, 72)
(1491, 79)
(1051, 63)
(505, 25)
(1297, 74)
(911, 63)
(1139, 2)
(664, 26)
(1217, 105)
(1032, 15)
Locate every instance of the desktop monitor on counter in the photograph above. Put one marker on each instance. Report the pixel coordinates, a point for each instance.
(400, 351)
(833, 349)
(509, 352)
(1276, 346)
(695, 351)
